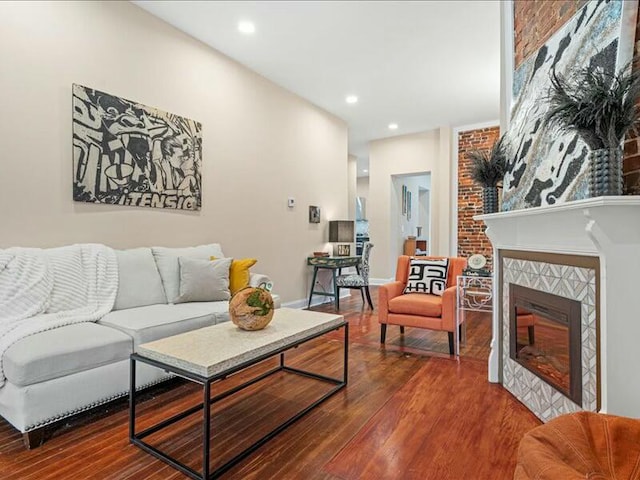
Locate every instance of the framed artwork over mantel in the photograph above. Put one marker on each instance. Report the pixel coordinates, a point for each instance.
(547, 166)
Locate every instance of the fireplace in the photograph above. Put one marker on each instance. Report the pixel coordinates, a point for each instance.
(585, 250)
(554, 299)
(545, 338)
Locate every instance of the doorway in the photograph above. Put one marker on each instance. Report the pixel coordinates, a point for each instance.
(411, 213)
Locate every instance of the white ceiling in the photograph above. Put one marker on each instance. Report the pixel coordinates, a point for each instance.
(418, 64)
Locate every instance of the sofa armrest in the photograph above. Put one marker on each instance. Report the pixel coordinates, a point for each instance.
(449, 300)
(385, 293)
(255, 279)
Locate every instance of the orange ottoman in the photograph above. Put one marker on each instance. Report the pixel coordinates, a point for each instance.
(583, 446)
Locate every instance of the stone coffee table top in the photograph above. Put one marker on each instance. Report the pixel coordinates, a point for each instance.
(211, 350)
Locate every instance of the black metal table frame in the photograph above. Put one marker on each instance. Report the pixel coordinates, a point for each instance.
(336, 292)
(136, 438)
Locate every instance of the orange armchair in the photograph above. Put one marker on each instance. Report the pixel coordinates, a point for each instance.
(419, 310)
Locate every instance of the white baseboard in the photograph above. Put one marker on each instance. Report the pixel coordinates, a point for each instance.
(317, 300)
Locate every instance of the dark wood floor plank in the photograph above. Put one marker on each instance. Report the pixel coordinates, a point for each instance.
(409, 411)
(446, 423)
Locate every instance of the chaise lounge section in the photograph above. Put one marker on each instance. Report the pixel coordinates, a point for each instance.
(56, 373)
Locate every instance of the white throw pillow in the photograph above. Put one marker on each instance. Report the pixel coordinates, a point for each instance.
(204, 280)
(139, 282)
(427, 276)
(167, 262)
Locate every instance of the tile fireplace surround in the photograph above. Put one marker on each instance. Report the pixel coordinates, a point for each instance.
(558, 276)
(589, 251)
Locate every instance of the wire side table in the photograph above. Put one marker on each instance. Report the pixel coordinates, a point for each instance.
(473, 294)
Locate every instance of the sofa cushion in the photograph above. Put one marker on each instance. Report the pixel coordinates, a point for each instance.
(146, 324)
(204, 280)
(139, 282)
(64, 351)
(417, 304)
(167, 262)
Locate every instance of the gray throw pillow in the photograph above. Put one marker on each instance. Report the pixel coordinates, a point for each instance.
(204, 280)
(167, 260)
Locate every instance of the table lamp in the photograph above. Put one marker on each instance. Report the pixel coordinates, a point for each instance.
(341, 231)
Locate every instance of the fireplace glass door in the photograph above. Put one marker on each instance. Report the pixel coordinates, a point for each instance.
(545, 338)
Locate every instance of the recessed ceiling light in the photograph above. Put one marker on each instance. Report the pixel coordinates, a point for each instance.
(365, 171)
(393, 126)
(351, 99)
(246, 27)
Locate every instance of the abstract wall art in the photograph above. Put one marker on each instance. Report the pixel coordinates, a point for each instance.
(125, 153)
(547, 166)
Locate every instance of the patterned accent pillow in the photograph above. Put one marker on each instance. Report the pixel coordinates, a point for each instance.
(427, 276)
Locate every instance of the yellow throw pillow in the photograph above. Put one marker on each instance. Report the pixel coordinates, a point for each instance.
(239, 273)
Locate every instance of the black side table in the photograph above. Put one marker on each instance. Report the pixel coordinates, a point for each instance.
(335, 264)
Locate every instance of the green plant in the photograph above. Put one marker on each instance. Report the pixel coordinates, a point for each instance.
(600, 106)
(488, 166)
(264, 304)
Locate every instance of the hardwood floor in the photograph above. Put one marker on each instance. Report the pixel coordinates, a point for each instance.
(409, 411)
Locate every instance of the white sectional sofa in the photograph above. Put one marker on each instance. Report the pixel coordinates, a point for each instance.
(57, 373)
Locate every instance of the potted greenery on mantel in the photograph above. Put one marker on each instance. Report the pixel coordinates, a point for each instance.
(487, 170)
(601, 108)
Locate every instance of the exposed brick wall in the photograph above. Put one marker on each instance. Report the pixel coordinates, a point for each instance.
(471, 237)
(631, 169)
(534, 21)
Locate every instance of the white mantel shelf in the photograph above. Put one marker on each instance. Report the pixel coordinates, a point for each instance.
(605, 227)
(580, 227)
(622, 201)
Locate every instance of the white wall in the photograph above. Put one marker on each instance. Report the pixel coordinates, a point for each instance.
(424, 195)
(352, 189)
(262, 144)
(362, 187)
(403, 155)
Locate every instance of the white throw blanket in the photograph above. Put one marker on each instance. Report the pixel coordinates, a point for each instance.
(42, 289)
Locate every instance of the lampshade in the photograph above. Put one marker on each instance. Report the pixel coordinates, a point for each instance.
(341, 231)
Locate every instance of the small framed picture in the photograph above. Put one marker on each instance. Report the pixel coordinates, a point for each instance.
(344, 250)
(314, 214)
(404, 199)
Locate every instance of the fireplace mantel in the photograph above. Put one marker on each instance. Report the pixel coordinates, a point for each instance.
(604, 227)
(573, 227)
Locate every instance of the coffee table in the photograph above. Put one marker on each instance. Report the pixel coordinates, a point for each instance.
(213, 353)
